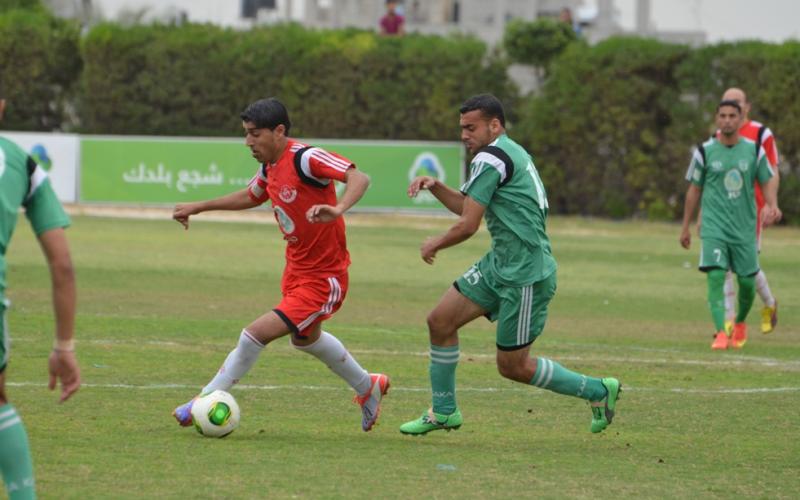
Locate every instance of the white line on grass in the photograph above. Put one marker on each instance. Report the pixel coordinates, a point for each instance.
(292, 387)
(725, 359)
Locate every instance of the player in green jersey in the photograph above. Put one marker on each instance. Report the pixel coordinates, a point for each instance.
(512, 284)
(722, 176)
(25, 184)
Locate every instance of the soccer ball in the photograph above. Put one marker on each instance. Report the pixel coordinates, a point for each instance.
(215, 414)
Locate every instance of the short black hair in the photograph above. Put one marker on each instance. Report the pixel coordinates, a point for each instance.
(267, 113)
(731, 103)
(489, 105)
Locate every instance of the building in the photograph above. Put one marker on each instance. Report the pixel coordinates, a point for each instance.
(483, 19)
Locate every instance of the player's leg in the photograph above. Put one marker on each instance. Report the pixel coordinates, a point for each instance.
(744, 262)
(730, 302)
(714, 260)
(370, 388)
(521, 319)
(303, 310)
(15, 455)
(715, 279)
(769, 313)
(458, 306)
(239, 361)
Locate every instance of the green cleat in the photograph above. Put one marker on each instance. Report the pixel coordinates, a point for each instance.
(431, 421)
(603, 410)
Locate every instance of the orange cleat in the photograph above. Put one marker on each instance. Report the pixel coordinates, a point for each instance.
(720, 342)
(739, 335)
(371, 401)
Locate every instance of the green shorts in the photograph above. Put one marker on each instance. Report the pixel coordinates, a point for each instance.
(742, 259)
(5, 341)
(520, 312)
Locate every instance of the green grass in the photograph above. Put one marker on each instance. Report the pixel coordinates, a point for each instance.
(160, 308)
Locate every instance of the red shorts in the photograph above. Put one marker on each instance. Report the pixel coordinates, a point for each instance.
(308, 301)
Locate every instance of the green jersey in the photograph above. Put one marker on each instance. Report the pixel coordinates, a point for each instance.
(24, 184)
(727, 176)
(504, 180)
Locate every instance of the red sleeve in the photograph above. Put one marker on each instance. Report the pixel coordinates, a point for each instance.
(257, 189)
(327, 165)
(772, 151)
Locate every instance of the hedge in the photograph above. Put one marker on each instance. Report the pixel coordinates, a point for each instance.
(40, 66)
(194, 79)
(611, 128)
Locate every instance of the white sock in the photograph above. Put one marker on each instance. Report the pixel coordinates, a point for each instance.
(762, 287)
(237, 364)
(333, 353)
(730, 297)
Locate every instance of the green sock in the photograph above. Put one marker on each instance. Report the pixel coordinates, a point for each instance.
(716, 297)
(747, 293)
(443, 378)
(554, 377)
(15, 455)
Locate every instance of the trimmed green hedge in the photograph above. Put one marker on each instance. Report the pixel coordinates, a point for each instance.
(40, 65)
(613, 126)
(193, 80)
(611, 129)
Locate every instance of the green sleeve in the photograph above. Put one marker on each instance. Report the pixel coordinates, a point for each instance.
(43, 210)
(483, 182)
(763, 171)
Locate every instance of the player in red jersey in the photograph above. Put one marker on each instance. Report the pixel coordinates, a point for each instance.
(763, 137)
(298, 179)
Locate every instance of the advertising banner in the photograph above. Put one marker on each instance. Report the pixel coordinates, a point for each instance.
(57, 154)
(163, 171)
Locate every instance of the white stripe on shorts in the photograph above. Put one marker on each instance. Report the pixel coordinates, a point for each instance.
(334, 296)
(524, 317)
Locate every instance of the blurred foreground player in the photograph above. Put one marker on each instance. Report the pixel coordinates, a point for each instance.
(25, 184)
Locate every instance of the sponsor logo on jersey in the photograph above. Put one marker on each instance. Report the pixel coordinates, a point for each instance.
(734, 183)
(284, 221)
(716, 166)
(287, 194)
(743, 165)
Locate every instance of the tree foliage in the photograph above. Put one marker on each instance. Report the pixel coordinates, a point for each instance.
(40, 66)
(537, 42)
(194, 79)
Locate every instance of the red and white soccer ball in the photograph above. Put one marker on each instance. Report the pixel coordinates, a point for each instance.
(216, 414)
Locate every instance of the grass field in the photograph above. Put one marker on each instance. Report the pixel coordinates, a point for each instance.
(160, 308)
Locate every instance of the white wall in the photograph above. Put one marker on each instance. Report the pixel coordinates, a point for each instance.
(63, 151)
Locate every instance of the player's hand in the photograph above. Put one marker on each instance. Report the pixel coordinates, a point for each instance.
(771, 215)
(686, 238)
(63, 365)
(428, 250)
(323, 213)
(182, 212)
(420, 183)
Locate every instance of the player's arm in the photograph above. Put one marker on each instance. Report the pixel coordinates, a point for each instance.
(771, 213)
(689, 208)
(467, 225)
(453, 200)
(62, 363)
(238, 200)
(356, 184)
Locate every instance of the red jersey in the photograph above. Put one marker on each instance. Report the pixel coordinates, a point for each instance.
(301, 178)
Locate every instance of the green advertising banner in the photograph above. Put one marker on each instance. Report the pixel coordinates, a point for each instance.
(165, 171)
